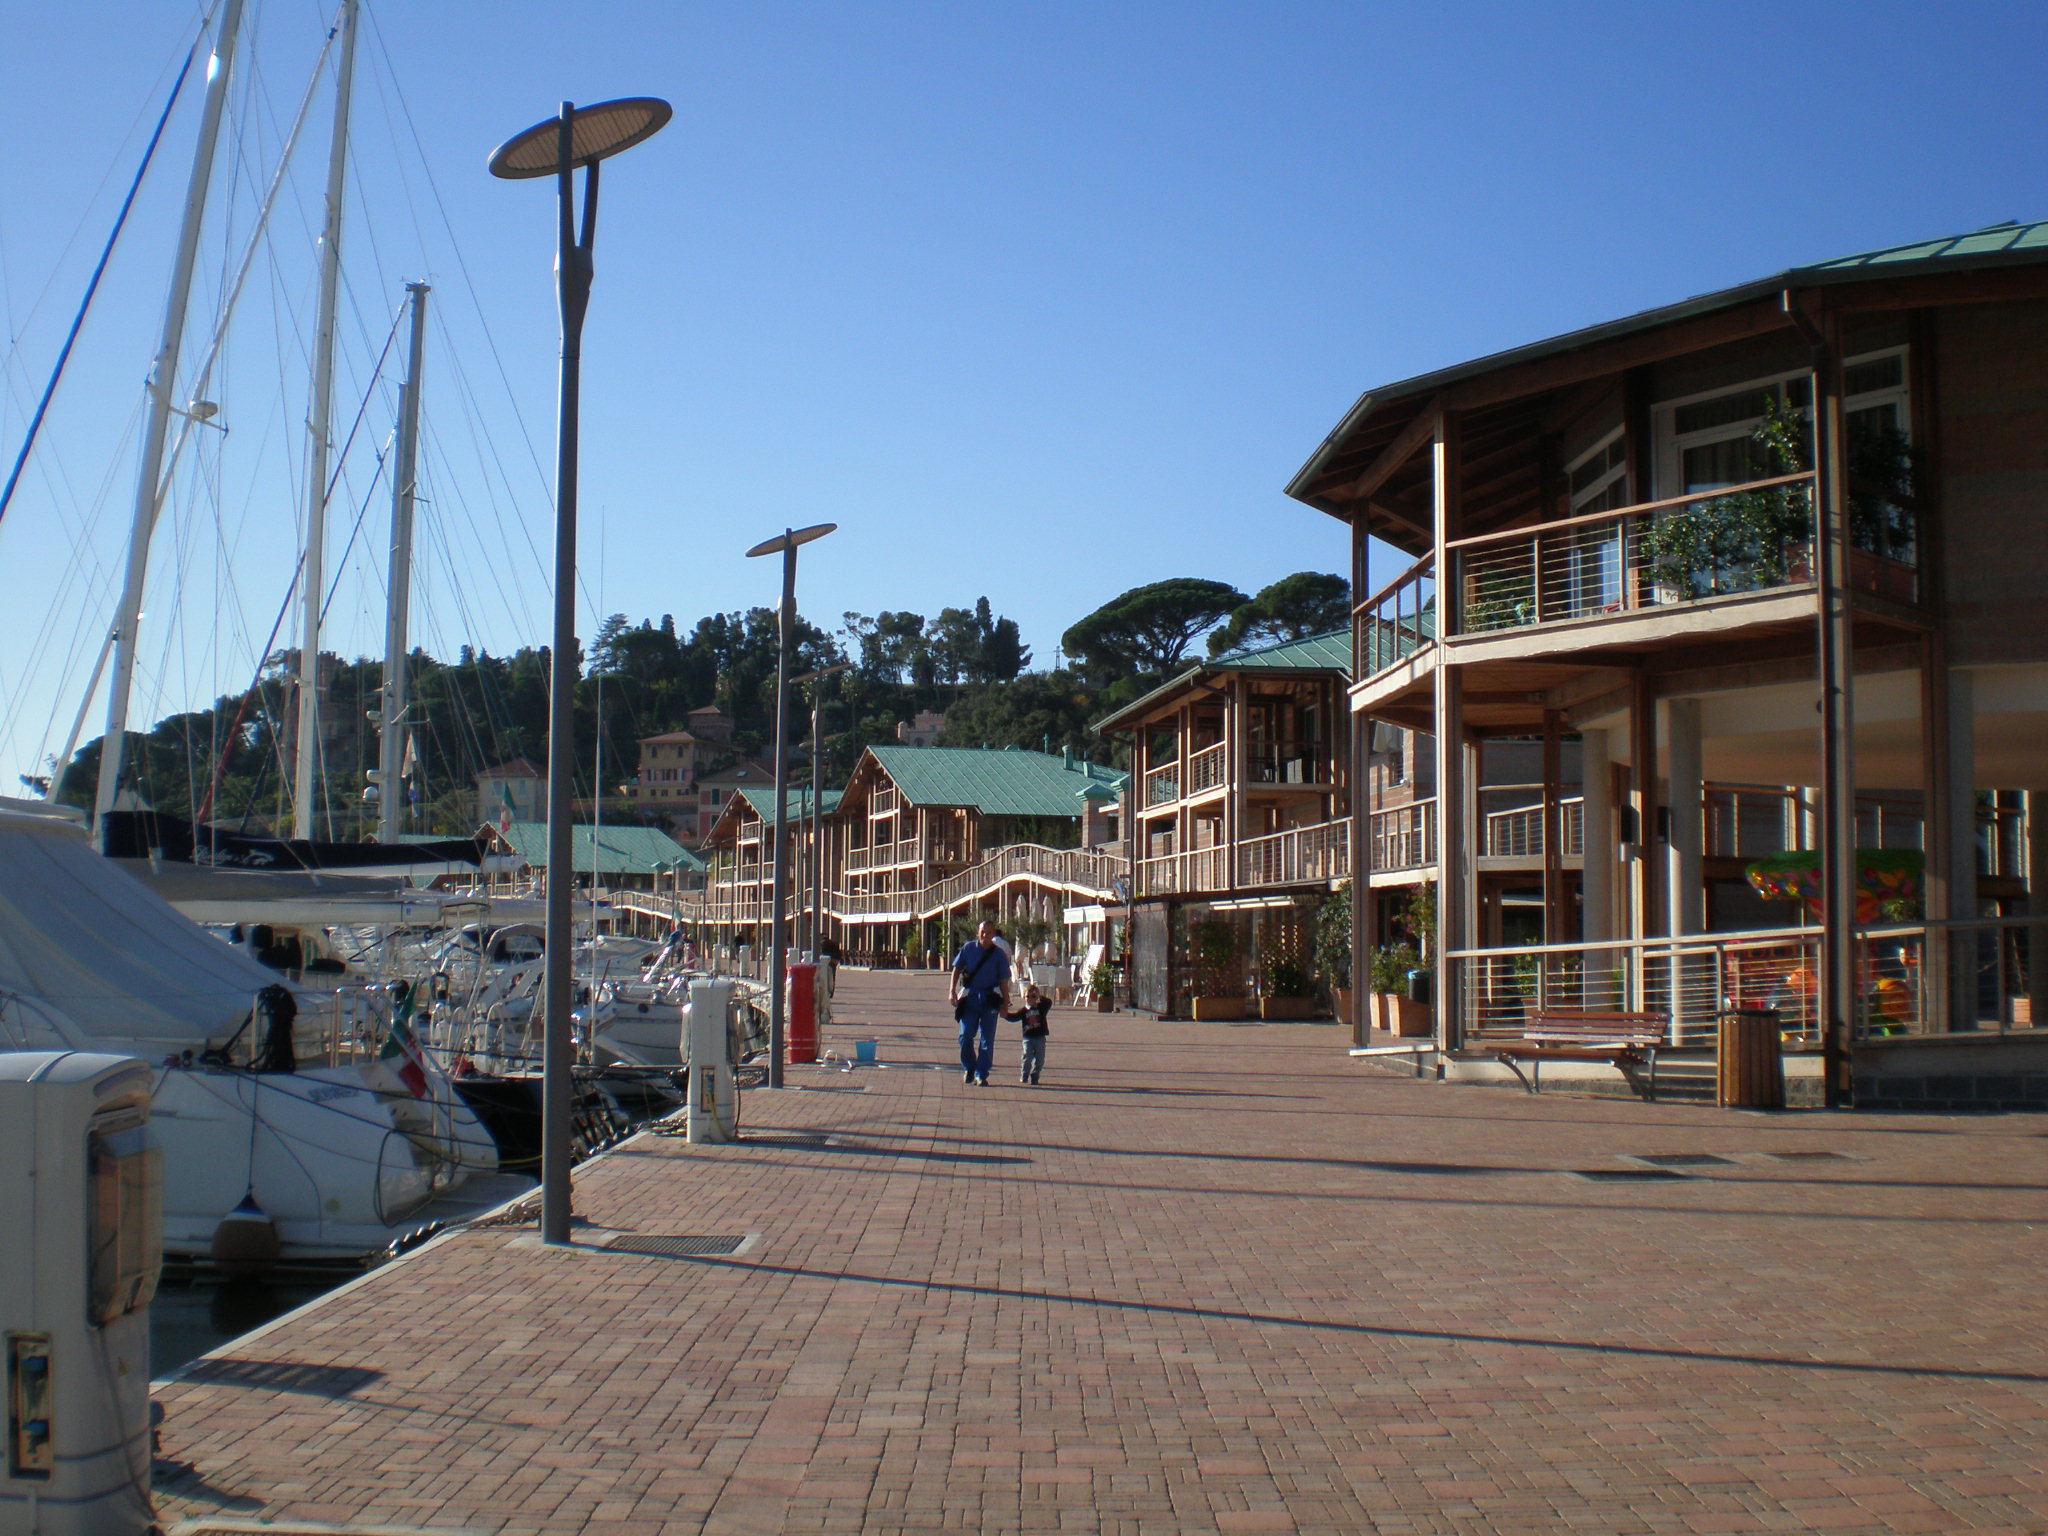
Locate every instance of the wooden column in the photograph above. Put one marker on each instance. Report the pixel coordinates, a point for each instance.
(1453, 865)
(1553, 832)
(1837, 725)
(1961, 862)
(2037, 905)
(1936, 834)
(1236, 769)
(1365, 936)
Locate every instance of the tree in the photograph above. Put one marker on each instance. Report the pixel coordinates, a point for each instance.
(1040, 711)
(1149, 629)
(1292, 608)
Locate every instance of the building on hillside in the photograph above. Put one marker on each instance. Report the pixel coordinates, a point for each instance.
(1240, 826)
(615, 858)
(671, 765)
(927, 837)
(713, 791)
(518, 785)
(1774, 557)
(922, 731)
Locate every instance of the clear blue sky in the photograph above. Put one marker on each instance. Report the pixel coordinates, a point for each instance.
(1038, 301)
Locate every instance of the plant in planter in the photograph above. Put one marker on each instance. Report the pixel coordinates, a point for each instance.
(1393, 1009)
(1101, 984)
(1219, 992)
(1290, 993)
(1742, 542)
(1333, 949)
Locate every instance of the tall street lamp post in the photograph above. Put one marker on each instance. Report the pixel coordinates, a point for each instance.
(816, 679)
(784, 544)
(574, 137)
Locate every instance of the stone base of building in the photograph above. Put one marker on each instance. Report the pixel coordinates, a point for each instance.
(1937, 1074)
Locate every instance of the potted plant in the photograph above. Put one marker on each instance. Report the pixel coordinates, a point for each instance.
(1219, 991)
(1393, 1010)
(1289, 992)
(1333, 950)
(1101, 983)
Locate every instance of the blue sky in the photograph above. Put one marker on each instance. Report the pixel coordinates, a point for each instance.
(1037, 301)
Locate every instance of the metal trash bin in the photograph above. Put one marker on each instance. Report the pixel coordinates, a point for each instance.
(1749, 1060)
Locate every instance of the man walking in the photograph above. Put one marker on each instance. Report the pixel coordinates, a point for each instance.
(981, 990)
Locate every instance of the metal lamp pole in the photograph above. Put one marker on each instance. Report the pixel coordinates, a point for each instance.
(786, 545)
(816, 679)
(556, 148)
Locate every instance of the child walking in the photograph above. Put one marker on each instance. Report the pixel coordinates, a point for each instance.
(1033, 1016)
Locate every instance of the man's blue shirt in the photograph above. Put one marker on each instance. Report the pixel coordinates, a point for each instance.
(981, 971)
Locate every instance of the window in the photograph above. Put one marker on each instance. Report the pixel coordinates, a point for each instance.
(1591, 560)
(1706, 442)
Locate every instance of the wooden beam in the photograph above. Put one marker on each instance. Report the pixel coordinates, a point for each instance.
(1757, 318)
(1411, 440)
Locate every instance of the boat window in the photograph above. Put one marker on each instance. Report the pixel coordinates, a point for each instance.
(123, 1226)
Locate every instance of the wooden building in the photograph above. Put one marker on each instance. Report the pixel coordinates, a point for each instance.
(1776, 559)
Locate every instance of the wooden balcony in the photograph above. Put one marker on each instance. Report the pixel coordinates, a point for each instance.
(1404, 837)
(1162, 785)
(1299, 856)
(1201, 871)
(1208, 769)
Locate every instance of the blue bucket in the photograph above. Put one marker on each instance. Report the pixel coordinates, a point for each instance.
(864, 1051)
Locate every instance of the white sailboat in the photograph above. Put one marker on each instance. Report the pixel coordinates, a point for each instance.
(335, 1146)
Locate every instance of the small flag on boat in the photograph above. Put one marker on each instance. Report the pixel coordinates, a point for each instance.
(505, 810)
(401, 1053)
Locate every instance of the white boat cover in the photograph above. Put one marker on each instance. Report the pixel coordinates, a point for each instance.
(86, 938)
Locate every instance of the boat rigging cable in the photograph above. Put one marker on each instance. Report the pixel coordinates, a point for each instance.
(162, 485)
(99, 271)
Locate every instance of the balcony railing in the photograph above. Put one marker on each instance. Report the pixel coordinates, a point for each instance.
(1404, 837)
(1395, 622)
(1516, 832)
(1299, 856)
(1208, 768)
(1162, 785)
(1179, 874)
(1746, 538)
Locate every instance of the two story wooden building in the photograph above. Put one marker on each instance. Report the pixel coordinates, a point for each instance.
(1776, 559)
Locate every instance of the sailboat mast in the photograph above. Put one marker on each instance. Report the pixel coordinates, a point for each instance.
(162, 380)
(392, 727)
(305, 761)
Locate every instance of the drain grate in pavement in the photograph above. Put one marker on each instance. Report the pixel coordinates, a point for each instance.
(788, 1138)
(1809, 1157)
(678, 1247)
(1624, 1175)
(216, 1525)
(1679, 1159)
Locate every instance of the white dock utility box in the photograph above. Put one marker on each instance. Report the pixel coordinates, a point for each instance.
(84, 1190)
(713, 1111)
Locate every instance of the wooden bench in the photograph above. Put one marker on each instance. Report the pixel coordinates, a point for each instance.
(1626, 1041)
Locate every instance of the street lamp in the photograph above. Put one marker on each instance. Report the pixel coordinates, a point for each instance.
(818, 799)
(574, 137)
(785, 544)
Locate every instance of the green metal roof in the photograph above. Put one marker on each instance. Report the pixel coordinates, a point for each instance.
(620, 850)
(1994, 240)
(1998, 245)
(1327, 652)
(1008, 782)
(762, 799)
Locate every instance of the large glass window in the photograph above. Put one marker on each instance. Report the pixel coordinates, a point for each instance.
(1591, 565)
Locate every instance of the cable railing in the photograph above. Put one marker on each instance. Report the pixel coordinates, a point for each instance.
(1078, 869)
(1162, 785)
(1179, 874)
(1404, 837)
(1516, 832)
(1744, 538)
(1298, 856)
(1975, 976)
(1395, 622)
(1208, 768)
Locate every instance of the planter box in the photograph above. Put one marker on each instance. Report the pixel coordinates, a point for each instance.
(1218, 1008)
(1402, 1017)
(1287, 1007)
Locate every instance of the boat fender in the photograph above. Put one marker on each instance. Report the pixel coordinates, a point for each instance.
(274, 1051)
(245, 1244)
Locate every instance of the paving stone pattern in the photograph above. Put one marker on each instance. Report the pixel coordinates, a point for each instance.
(1208, 1278)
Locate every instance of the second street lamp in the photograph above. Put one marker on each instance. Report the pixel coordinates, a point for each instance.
(786, 545)
(574, 137)
(817, 842)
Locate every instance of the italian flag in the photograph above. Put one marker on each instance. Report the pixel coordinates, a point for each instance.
(505, 810)
(401, 1054)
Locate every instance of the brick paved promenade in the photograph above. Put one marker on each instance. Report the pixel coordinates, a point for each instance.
(1207, 1278)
